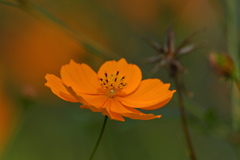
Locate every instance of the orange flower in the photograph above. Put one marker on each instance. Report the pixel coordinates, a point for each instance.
(116, 90)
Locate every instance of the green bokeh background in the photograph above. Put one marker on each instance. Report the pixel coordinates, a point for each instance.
(46, 127)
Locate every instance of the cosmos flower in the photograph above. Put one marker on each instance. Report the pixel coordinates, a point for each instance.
(116, 90)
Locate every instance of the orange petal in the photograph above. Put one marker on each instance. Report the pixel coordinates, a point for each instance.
(151, 93)
(73, 93)
(133, 78)
(106, 110)
(131, 72)
(94, 100)
(159, 105)
(92, 108)
(85, 105)
(56, 85)
(109, 66)
(132, 113)
(80, 77)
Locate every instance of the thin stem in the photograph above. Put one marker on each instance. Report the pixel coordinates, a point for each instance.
(99, 138)
(183, 119)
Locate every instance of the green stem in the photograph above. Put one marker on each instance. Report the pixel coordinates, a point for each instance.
(232, 45)
(183, 119)
(99, 138)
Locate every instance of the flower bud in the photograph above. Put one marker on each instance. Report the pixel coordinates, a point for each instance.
(222, 64)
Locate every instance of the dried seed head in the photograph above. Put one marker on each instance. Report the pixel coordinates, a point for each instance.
(169, 55)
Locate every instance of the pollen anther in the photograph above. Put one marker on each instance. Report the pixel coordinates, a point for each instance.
(112, 81)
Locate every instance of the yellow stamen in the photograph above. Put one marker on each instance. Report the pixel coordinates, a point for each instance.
(112, 81)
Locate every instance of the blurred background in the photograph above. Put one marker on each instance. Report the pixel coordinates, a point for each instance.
(39, 36)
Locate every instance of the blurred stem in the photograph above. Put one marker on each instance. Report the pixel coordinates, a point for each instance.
(43, 15)
(237, 84)
(232, 44)
(99, 138)
(183, 119)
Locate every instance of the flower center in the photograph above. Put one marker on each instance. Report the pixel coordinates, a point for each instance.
(112, 83)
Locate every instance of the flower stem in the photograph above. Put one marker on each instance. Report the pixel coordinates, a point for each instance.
(183, 119)
(237, 84)
(233, 50)
(99, 138)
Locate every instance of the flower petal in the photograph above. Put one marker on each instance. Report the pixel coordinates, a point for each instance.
(77, 97)
(94, 100)
(130, 112)
(85, 105)
(92, 108)
(159, 105)
(57, 87)
(133, 79)
(151, 93)
(107, 111)
(131, 72)
(80, 77)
